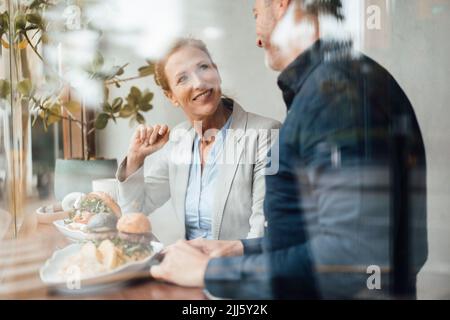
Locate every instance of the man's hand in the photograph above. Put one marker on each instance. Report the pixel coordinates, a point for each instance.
(219, 248)
(183, 265)
(145, 141)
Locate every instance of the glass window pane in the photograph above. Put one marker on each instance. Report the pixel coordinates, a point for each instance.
(358, 184)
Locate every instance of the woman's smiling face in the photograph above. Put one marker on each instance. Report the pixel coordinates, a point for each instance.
(194, 82)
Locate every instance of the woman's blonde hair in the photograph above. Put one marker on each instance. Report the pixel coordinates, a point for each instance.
(160, 74)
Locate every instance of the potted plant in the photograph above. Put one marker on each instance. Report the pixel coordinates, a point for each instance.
(26, 31)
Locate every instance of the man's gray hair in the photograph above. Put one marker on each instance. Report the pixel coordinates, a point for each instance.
(319, 7)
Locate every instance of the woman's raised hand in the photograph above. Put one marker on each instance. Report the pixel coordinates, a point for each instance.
(145, 141)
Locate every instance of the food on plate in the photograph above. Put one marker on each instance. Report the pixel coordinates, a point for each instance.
(112, 243)
(96, 257)
(134, 236)
(135, 228)
(83, 217)
(69, 201)
(102, 226)
(97, 202)
(110, 256)
(87, 262)
(86, 207)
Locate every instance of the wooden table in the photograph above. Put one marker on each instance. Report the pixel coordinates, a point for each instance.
(21, 259)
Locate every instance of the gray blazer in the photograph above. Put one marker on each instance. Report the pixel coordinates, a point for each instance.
(238, 208)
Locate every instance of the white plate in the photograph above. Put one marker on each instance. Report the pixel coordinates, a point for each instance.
(78, 235)
(71, 234)
(50, 272)
(49, 217)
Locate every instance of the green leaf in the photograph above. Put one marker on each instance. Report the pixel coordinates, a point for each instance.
(146, 98)
(35, 18)
(146, 107)
(101, 121)
(24, 87)
(55, 108)
(126, 111)
(132, 101)
(54, 114)
(4, 22)
(35, 4)
(117, 104)
(148, 70)
(107, 107)
(133, 97)
(135, 93)
(108, 74)
(5, 89)
(20, 22)
(120, 71)
(140, 118)
(72, 106)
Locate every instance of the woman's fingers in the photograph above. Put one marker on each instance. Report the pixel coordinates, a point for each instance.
(142, 132)
(148, 134)
(163, 130)
(154, 135)
(138, 133)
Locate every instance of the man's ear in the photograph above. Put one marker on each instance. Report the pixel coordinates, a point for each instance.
(281, 8)
(171, 97)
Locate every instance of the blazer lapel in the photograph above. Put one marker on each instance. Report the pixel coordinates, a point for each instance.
(182, 157)
(230, 161)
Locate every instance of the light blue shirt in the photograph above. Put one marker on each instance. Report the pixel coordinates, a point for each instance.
(201, 187)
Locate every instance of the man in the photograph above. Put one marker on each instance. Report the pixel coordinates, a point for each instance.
(346, 213)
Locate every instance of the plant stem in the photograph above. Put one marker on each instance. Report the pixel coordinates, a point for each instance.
(34, 35)
(123, 80)
(41, 107)
(32, 46)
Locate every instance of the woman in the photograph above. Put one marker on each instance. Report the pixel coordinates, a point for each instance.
(208, 167)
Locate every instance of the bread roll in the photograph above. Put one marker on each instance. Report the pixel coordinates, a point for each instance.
(136, 223)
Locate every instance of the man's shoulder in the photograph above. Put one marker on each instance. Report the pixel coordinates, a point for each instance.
(348, 67)
(354, 75)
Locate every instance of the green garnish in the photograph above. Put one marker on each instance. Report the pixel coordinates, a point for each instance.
(94, 206)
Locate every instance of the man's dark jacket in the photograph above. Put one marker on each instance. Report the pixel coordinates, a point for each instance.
(346, 212)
